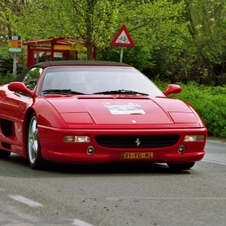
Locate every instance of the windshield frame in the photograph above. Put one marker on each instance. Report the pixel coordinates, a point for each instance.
(133, 79)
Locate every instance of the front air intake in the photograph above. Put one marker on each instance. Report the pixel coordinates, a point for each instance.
(137, 141)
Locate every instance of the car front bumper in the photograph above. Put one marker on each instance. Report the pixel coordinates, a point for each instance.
(55, 149)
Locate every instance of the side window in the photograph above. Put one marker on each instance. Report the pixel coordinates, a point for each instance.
(31, 78)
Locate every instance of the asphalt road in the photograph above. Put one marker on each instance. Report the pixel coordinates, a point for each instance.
(115, 195)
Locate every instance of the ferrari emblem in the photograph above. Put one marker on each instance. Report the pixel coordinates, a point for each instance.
(138, 142)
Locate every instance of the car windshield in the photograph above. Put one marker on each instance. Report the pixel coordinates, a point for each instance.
(98, 80)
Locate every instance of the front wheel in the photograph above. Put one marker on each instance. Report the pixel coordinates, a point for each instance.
(181, 166)
(33, 146)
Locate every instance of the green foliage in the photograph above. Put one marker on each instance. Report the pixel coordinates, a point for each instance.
(6, 79)
(150, 22)
(31, 78)
(139, 57)
(176, 40)
(6, 65)
(206, 25)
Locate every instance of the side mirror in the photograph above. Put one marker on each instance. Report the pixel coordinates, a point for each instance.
(172, 89)
(20, 87)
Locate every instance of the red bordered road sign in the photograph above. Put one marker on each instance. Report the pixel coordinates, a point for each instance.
(122, 38)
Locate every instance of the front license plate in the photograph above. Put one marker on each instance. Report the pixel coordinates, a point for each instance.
(137, 155)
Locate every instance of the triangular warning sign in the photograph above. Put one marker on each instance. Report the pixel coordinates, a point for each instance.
(122, 38)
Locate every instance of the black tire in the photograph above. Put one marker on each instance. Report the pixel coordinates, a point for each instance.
(33, 145)
(181, 166)
(4, 154)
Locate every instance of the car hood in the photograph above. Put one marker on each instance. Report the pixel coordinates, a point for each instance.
(129, 111)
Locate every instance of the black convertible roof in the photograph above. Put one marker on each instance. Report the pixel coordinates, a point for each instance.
(70, 63)
(79, 62)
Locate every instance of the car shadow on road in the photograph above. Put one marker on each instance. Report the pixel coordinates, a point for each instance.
(16, 162)
(115, 168)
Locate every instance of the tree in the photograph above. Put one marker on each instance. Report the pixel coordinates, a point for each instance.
(174, 37)
(207, 27)
(9, 10)
(96, 21)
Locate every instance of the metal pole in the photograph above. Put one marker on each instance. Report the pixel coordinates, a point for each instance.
(121, 55)
(14, 65)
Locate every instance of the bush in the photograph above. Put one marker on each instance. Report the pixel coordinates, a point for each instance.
(6, 79)
(6, 66)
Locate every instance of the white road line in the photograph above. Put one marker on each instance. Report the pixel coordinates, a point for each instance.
(26, 201)
(165, 198)
(78, 222)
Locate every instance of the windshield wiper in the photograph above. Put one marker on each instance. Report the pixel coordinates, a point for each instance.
(61, 91)
(122, 91)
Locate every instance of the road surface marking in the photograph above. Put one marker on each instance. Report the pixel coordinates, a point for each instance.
(164, 198)
(78, 222)
(26, 201)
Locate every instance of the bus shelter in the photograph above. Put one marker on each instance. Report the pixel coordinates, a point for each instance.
(56, 49)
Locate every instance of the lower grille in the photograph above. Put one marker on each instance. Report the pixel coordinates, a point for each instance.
(139, 141)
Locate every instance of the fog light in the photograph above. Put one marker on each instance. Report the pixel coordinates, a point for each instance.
(181, 149)
(90, 150)
(77, 139)
(194, 138)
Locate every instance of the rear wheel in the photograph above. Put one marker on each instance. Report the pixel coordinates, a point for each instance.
(181, 166)
(4, 154)
(33, 146)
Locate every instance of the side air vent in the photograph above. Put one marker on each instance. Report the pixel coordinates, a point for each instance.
(6, 127)
(6, 145)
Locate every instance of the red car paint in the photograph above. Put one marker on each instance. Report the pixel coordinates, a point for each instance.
(126, 118)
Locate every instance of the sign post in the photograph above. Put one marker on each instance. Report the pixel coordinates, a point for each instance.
(15, 46)
(122, 39)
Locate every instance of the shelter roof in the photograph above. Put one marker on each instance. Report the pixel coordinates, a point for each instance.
(60, 41)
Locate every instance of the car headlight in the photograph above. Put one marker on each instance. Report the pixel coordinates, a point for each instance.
(194, 138)
(76, 139)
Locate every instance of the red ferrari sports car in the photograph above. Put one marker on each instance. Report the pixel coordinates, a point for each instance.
(96, 112)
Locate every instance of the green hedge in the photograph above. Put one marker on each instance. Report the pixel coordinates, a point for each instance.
(6, 66)
(6, 79)
(208, 101)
